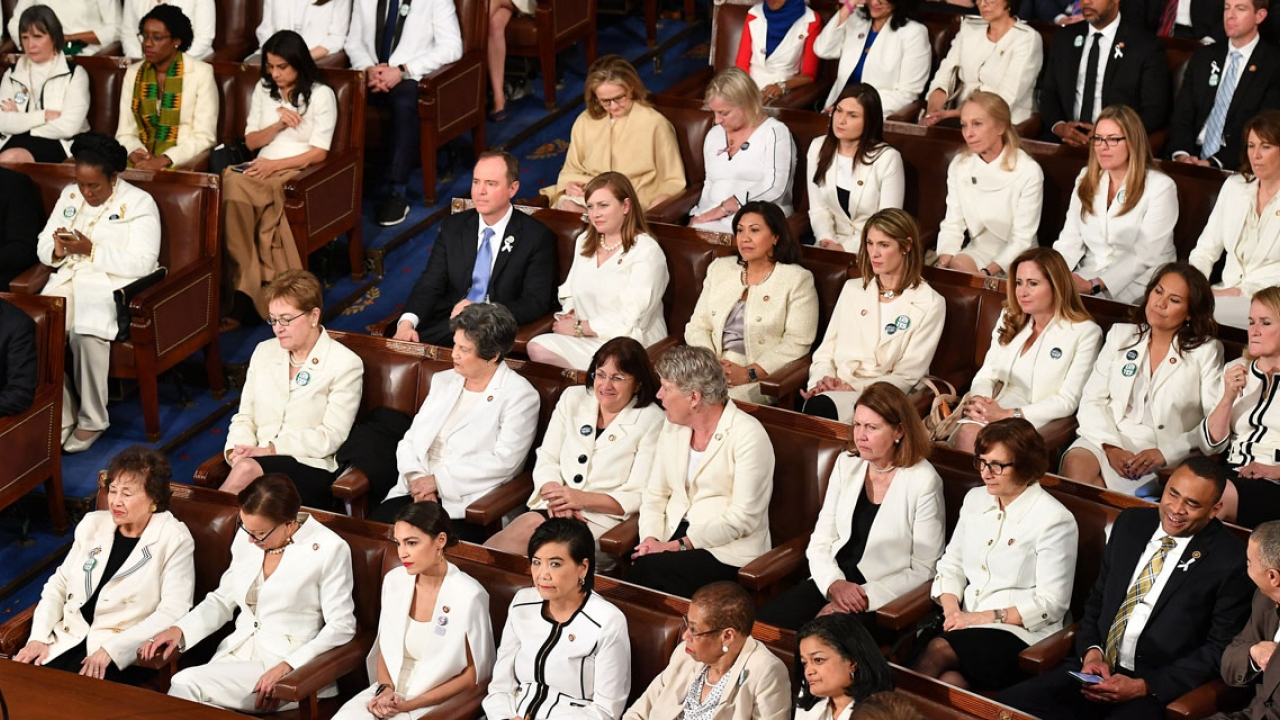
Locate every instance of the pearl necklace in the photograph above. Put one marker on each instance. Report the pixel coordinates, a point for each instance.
(609, 248)
(882, 470)
(296, 363)
(280, 550)
(765, 280)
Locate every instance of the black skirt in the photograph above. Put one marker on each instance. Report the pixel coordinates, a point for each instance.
(988, 656)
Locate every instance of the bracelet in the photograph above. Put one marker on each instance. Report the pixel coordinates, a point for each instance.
(849, 6)
(986, 272)
(577, 328)
(782, 87)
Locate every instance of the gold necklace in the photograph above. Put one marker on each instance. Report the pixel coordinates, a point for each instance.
(103, 208)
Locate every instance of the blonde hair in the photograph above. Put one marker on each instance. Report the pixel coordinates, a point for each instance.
(633, 223)
(1066, 301)
(1140, 160)
(899, 225)
(998, 110)
(1270, 297)
(616, 70)
(735, 87)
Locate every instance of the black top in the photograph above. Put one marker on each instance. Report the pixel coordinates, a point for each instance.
(842, 194)
(120, 549)
(848, 557)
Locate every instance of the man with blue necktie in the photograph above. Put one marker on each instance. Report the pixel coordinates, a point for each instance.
(492, 253)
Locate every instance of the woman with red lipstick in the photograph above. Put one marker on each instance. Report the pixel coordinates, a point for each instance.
(616, 282)
(137, 551)
(434, 637)
(1042, 350)
(1155, 381)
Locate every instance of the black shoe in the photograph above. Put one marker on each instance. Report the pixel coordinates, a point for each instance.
(392, 211)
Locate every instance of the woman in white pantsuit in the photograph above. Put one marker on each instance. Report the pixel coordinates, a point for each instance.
(434, 637)
(878, 45)
(615, 284)
(291, 580)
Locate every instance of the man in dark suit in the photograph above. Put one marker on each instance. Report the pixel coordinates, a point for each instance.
(1247, 660)
(493, 253)
(1170, 595)
(1238, 78)
(1193, 19)
(1099, 62)
(18, 360)
(21, 220)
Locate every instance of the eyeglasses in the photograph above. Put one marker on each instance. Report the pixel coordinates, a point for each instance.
(684, 628)
(1110, 141)
(253, 537)
(996, 468)
(615, 379)
(144, 38)
(283, 322)
(619, 100)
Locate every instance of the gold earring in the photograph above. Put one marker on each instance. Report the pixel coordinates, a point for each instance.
(153, 507)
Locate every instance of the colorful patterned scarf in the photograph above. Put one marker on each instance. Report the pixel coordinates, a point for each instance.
(158, 116)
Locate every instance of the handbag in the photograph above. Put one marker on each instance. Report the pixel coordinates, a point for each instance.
(225, 155)
(942, 411)
(126, 294)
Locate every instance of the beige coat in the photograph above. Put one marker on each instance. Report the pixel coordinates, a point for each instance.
(758, 688)
(198, 118)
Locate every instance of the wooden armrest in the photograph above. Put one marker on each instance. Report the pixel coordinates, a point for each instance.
(661, 347)
(788, 379)
(1214, 696)
(32, 280)
(1049, 652)
(489, 509)
(167, 666)
(909, 113)
(114, 49)
(1031, 127)
(351, 485)
(622, 539)
(199, 163)
(694, 86)
(337, 61)
(907, 609)
(15, 631)
(212, 473)
(775, 565)
(804, 97)
(1058, 433)
(463, 706)
(541, 326)
(675, 209)
(325, 668)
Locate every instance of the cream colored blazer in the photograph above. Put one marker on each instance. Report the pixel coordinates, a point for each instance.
(758, 688)
(1250, 269)
(197, 119)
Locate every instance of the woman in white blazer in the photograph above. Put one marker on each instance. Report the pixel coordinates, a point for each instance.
(290, 578)
(1119, 225)
(1245, 224)
(705, 512)
(474, 430)
(994, 193)
(565, 650)
(758, 310)
(776, 48)
(998, 53)
(137, 552)
(434, 635)
(597, 454)
(616, 283)
(102, 235)
(886, 325)
(838, 664)
(881, 46)
(44, 98)
(855, 172)
(322, 24)
(1005, 580)
(203, 15)
(882, 523)
(155, 136)
(296, 426)
(89, 25)
(1154, 383)
(1042, 350)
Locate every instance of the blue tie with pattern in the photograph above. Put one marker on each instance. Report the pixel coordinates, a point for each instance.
(483, 269)
(1221, 104)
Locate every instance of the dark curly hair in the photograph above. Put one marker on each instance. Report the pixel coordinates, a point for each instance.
(844, 634)
(1200, 327)
(100, 151)
(175, 21)
(147, 465)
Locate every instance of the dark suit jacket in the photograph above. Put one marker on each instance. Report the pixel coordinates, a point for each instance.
(18, 362)
(523, 279)
(1206, 17)
(21, 220)
(1138, 78)
(1200, 609)
(1238, 671)
(1257, 88)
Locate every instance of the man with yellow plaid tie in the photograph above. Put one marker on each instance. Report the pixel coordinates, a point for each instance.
(1171, 594)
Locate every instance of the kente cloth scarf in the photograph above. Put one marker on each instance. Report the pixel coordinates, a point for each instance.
(158, 115)
(779, 22)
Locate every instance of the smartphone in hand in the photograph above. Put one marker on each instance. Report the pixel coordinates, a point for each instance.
(1086, 678)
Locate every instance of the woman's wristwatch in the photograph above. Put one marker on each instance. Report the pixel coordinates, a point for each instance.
(999, 615)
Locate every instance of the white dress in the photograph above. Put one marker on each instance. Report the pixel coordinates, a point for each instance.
(762, 169)
(622, 297)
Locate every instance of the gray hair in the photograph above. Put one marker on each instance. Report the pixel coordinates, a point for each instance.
(1267, 536)
(490, 326)
(694, 368)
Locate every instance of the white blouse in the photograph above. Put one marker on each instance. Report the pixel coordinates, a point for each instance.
(319, 25)
(622, 296)
(316, 131)
(762, 169)
(999, 208)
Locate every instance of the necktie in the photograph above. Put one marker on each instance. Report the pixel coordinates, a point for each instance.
(1221, 103)
(483, 269)
(1168, 18)
(1090, 79)
(1136, 593)
(1074, 9)
(389, 30)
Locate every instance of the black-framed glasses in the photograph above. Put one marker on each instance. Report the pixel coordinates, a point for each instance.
(283, 322)
(144, 38)
(619, 100)
(252, 536)
(685, 628)
(1109, 140)
(996, 468)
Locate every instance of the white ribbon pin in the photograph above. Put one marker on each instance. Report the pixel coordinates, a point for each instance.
(1186, 564)
(508, 242)
(1118, 54)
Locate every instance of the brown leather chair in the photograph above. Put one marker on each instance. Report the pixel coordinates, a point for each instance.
(178, 316)
(555, 26)
(106, 76)
(236, 37)
(451, 100)
(691, 122)
(32, 439)
(7, 44)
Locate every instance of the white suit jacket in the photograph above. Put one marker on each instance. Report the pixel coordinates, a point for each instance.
(304, 608)
(1185, 391)
(463, 606)
(788, 57)
(999, 208)
(323, 26)
(1008, 68)
(202, 14)
(77, 16)
(619, 463)
(307, 418)
(151, 590)
(1065, 354)
(897, 65)
(429, 37)
(1250, 269)
(1023, 557)
(66, 90)
(197, 118)
(877, 186)
(847, 351)
(1124, 250)
(486, 449)
(906, 537)
(727, 503)
(759, 687)
(125, 231)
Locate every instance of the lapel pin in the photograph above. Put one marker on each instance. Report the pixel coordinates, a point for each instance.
(1195, 555)
(1119, 52)
(859, 183)
(1186, 564)
(446, 609)
(1010, 542)
(612, 437)
(719, 436)
(572, 637)
(489, 399)
(1055, 353)
(442, 621)
(1080, 41)
(586, 430)
(864, 311)
(315, 361)
(1253, 68)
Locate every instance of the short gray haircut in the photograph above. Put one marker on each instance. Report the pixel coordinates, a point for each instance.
(1267, 535)
(490, 326)
(695, 368)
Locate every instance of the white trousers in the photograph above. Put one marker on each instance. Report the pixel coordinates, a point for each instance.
(225, 683)
(90, 361)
